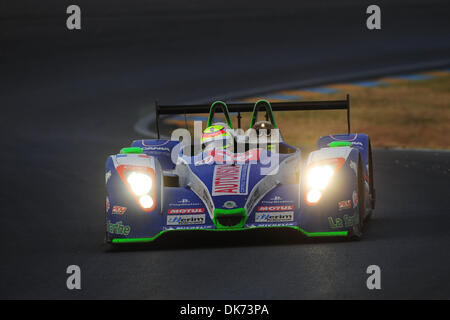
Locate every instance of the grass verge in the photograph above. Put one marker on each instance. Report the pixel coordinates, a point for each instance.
(400, 114)
(404, 115)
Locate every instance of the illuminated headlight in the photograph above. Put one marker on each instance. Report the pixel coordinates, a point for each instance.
(313, 196)
(146, 201)
(318, 177)
(140, 183)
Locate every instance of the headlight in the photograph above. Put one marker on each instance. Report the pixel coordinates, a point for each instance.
(140, 183)
(313, 196)
(319, 176)
(146, 201)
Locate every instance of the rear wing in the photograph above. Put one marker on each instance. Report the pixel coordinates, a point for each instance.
(248, 107)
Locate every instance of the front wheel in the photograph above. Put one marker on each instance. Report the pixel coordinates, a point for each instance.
(360, 209)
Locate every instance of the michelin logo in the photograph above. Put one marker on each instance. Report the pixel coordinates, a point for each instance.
(274, 216)
(186, 219)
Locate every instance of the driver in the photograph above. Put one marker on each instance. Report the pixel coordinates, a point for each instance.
(263, 131)
(263, 128)
(216, 137)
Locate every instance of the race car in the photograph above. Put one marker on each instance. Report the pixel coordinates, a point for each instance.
(230, 179)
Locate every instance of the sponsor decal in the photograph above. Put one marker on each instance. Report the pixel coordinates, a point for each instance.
(226, 156)
(343, 205)
(184, 202)
(107, 204)
(186, 219)
(186, 210)
(192, 227)
(353, 166)
(251, 155)
(118, 228)
(207, 160)
(230, 180)
(279, 224)
(230, 205)
(274, 216)
(276, 200)
(275, 208)
(355, 199)
(156, 149)
(119, 210)
(346, 221)
(107, 176)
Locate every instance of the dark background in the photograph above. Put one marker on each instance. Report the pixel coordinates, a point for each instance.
(70, 98)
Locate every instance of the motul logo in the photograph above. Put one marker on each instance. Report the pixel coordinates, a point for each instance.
(189, 210)
(275, 208)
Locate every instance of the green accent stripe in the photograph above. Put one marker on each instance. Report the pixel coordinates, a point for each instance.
(340, 144)
(326, 234)
(229, 211)
(131, 150)
(306, 233)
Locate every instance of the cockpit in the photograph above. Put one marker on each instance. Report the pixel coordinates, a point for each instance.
(220, 135)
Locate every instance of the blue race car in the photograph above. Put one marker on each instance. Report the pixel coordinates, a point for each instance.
(231, 179)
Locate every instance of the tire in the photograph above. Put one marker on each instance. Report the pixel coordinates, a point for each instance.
(360, 210)
(107, 244)
(372, 193)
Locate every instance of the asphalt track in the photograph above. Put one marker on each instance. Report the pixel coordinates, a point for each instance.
(70, 99)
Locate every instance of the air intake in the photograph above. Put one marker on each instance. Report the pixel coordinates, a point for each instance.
(230, 219)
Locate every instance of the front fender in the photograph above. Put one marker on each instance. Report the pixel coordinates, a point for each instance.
(336, 209)
(125, 218)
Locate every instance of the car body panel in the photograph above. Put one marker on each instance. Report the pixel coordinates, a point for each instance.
(192, 205)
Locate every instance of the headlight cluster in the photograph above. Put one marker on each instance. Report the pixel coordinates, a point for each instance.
(141, 185)
(140, 182)
(318, 177)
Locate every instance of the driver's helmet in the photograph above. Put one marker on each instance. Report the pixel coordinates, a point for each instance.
(217, 137)
(263, 128)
